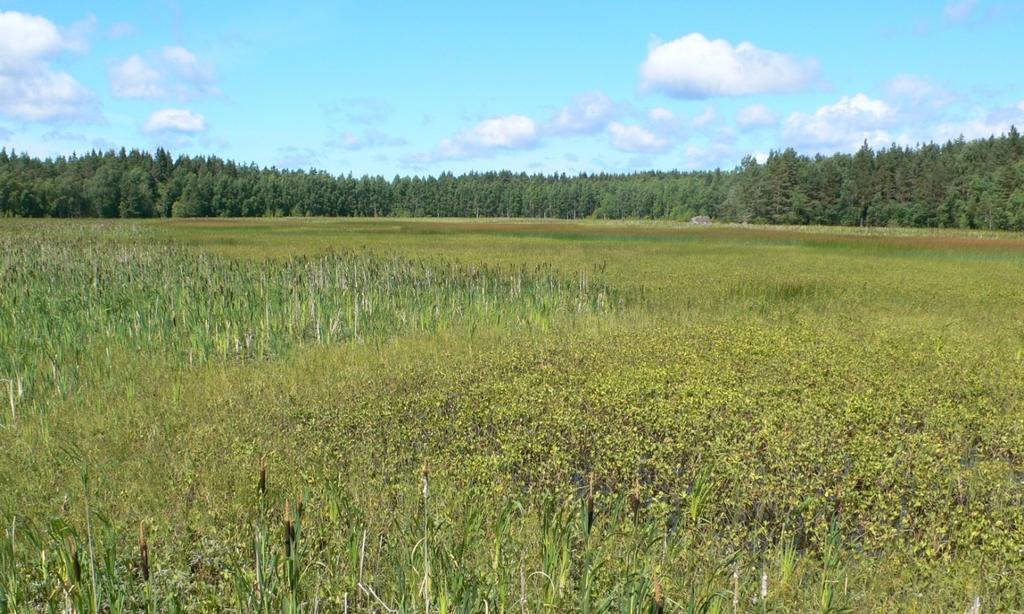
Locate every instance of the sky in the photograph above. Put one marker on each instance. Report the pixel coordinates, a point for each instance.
(408, 88)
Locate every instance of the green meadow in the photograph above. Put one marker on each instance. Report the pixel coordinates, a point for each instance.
(330, 415)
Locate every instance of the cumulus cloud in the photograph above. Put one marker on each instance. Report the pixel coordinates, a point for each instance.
(44, 96)
(135, 78)
(182, 121)
(25, 39)
(587, 114)
(30, 88)
(636, 139)
(844, 124)
(187, 66)
(756, 116)
(489, 135)
(695, 67)
(174, 72)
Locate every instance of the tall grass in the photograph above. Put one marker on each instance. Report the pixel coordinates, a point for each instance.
(77, 297)
(532, 554)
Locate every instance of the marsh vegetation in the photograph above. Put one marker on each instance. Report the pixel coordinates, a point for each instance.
(444, 416)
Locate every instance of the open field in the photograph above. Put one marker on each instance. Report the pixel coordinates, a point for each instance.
(407, 415)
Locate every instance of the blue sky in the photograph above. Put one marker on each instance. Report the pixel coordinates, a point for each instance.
(418, 87)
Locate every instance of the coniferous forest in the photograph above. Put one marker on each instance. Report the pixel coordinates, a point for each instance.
(965, 184)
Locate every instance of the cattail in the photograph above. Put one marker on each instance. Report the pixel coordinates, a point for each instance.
(975, 606)
(590, 504)
(143, 553)
(262, 488)
(289, 530)
(426, 479)
(659, 597)
(736, 589)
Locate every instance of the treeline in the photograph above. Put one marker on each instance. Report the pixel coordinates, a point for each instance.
(969, 184)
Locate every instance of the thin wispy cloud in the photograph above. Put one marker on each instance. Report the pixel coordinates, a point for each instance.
(756, 116)
(959, 10)
(367, 139)
(364, 111)
(174, 72)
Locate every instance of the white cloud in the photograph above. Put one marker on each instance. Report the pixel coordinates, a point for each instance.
(135, 78)
(187, 66)
(756, 116)
(909, 86)
(959, 10)
(30, 89)
(505, 132)
(661, 114)
(175, 120)
(918, 90)
(44, 96)
(695, 67)
(26, 39)
(175, 72)
(587, 114)
(706, 116)
(982, 124)
(511, 131)
(636, 139)
(709, 155)
(665, 123)
(845, 124)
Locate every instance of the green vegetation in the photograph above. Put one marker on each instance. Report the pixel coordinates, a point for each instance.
(309, 415)
(959, 184)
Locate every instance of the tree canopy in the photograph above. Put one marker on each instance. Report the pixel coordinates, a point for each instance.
(967, 184)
